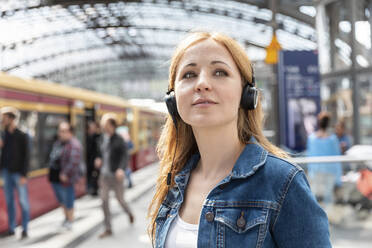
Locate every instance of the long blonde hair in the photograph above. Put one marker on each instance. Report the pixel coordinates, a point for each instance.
(250, 123)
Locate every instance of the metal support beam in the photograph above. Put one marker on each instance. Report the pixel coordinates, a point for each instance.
(331, 11)
(370, 24)
(346, 73)
(274, 9)
(283, 9)
(324, 2)
(353, 76)
(275, 87)
(296, 14)
(140, 54)
(324, 47)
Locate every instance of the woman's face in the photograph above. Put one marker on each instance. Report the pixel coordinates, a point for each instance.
(208, 86)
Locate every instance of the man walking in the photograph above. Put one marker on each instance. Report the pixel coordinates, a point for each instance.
(112, 161)
(14, 163)
(64, 169)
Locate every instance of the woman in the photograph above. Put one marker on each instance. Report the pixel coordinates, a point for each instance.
(229, 186)
(324, 177)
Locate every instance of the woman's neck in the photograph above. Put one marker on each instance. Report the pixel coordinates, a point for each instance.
(219, 149)
(322, 133)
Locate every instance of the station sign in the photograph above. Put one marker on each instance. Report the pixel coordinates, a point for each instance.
(299, 97)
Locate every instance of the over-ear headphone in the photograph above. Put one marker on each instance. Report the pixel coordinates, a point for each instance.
(170, 101)
(249, 95)
(248, 100)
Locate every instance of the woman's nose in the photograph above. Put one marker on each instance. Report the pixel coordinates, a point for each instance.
(203, 83)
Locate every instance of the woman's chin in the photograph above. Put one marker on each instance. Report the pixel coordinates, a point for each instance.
(208, 123)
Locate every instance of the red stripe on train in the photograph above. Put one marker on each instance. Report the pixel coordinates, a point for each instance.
(30, 97)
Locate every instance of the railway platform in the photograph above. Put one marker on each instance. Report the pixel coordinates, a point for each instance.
(348, 227)
(47, 231)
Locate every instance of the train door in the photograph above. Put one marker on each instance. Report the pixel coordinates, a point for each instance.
(90, 115)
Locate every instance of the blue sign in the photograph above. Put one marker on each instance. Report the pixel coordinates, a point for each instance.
(299, 97)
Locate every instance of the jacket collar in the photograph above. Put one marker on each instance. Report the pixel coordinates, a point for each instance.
(250, 160)
(183, 176)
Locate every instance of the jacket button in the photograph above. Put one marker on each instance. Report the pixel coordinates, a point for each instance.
(241, 222)
(209, 216)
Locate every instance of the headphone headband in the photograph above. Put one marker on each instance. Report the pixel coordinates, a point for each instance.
(253, 82)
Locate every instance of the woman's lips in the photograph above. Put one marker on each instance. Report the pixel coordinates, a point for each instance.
(203, 101)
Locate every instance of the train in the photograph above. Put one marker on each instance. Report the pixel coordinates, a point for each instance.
(43, 105)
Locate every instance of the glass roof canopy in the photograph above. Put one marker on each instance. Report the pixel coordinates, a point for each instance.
(74, 42)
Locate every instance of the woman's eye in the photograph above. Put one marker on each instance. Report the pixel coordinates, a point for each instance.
(189, 75)
(220, 73)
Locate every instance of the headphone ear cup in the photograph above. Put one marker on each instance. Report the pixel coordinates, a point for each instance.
(249, 97)
(170, 101)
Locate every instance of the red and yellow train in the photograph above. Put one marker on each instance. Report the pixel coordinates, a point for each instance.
(44, 105)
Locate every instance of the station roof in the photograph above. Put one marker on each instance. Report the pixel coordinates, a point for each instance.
(88, 43)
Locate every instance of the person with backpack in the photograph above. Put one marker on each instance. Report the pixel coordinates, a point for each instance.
(65, 169)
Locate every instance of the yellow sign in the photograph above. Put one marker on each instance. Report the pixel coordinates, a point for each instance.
(272, 51)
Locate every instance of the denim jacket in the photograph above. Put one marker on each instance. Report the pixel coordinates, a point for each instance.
(264, 202)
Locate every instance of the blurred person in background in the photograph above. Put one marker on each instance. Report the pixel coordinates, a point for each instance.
(14, 164)
(324, 177)
(112, 161)
(64, 170)
(92, 151)
(124, 133)
(345, 144)
(343, 137)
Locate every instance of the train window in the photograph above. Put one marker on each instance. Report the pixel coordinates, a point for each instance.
(142, 133)
(156, 124)
(149, 129)
(365, 109)
(80, 128)
(28, 124)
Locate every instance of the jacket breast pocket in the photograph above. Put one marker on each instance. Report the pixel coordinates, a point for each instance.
(241, 227)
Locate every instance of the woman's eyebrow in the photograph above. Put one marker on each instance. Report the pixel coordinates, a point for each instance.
(219, 62)
(212, 63)
(190, 64)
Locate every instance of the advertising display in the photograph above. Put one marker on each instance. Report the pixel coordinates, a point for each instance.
(299, 97)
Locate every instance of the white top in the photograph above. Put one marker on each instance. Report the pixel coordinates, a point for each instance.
(182, 234)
